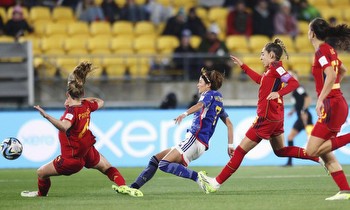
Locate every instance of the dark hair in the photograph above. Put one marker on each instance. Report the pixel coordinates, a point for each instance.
(323, 30)
(213, 77)
(76, 79)
(277, 47)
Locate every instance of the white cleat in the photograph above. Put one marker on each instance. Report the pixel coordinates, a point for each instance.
(29, 194)
(207, 183)
(341, 195)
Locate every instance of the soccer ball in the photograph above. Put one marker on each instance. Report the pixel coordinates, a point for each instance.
(11, 148)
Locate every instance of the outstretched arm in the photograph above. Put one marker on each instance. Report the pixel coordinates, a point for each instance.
(189, 111)
(251, 73)
(60, 125)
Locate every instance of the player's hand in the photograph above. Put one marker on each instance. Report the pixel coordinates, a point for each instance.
(272, 96)
(42, 112)
(236, 60)
(319, 108)
(230, 151)
(179, 119)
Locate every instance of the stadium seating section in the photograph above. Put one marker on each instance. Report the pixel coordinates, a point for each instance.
(65, 40)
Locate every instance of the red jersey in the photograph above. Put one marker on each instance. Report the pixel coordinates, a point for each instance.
(326, 56)
(272, 81)
(77, 141)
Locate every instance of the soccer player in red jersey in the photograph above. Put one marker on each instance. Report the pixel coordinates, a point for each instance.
(76, 140)
(331, 107)
(270, 114)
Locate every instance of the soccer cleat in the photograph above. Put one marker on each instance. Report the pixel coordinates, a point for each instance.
(207, 183)
(341, 195)
(322, 163)
(124, 189)
(29, 194)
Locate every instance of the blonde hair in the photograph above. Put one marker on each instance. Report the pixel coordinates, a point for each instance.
(77, 78)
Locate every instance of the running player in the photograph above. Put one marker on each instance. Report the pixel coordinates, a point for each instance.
(76, 140)
(270, 114)
(331, 106)
(207, 111)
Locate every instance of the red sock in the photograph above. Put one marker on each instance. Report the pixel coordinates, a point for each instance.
(340, 179)
(232, 165)
(296, 152)
(340, 141)
(44, 186)
(115, 176)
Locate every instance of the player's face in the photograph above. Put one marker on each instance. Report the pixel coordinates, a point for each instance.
(265, 57)
(202, 86)
(310, 33)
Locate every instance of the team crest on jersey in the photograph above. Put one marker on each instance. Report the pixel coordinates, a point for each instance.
(323, 60)
(69, 116)
(280, 70)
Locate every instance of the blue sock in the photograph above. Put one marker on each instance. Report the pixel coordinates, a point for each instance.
(178, 170)
(146, 174)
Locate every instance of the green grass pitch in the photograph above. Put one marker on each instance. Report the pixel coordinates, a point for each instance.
(258, 187)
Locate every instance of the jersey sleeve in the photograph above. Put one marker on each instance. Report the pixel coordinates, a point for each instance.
(323, 58)
(223, 115)
(206, 99)
(285, 77)
(69, 115)
(93, 105)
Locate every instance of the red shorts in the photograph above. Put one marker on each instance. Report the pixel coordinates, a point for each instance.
(263, 128)
(334, 116)
(69, 165)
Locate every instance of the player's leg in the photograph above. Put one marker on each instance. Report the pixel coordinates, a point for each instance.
(180, 156)
(338, 176)
(277, 143)
(293, 133)
(150, 170)
(44, 182)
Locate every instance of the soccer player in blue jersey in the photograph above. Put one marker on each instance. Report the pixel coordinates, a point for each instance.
(205, 116)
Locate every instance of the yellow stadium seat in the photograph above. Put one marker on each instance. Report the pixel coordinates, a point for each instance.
(53, 45)
(40, 27)
(122, 28)
(122, 45)
(145, 44)
(96, 45)
(254, 63)
(287, 41)
(215, 14)
(167, 43)
(39, 13)
(100, 28)
(6, 39)
(340, 3)
(62, 14)
(237, 44)
(36, 43)
(3, 14)
(319, 3)
(345, 59)
(303, 27)
(140, 2)
(115, 67)
(24, 11)
(143, 28)
(164, 2)
(336, 12)
(202, 13)
(75, 46)
(55, 29)
(120, 3)
(257, 42)
(195, 41)
(66, 65)
(138, 67)
(301, 64)
(78, 29)
(303, 45)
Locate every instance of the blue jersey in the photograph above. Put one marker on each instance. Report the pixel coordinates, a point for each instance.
(205, 120)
